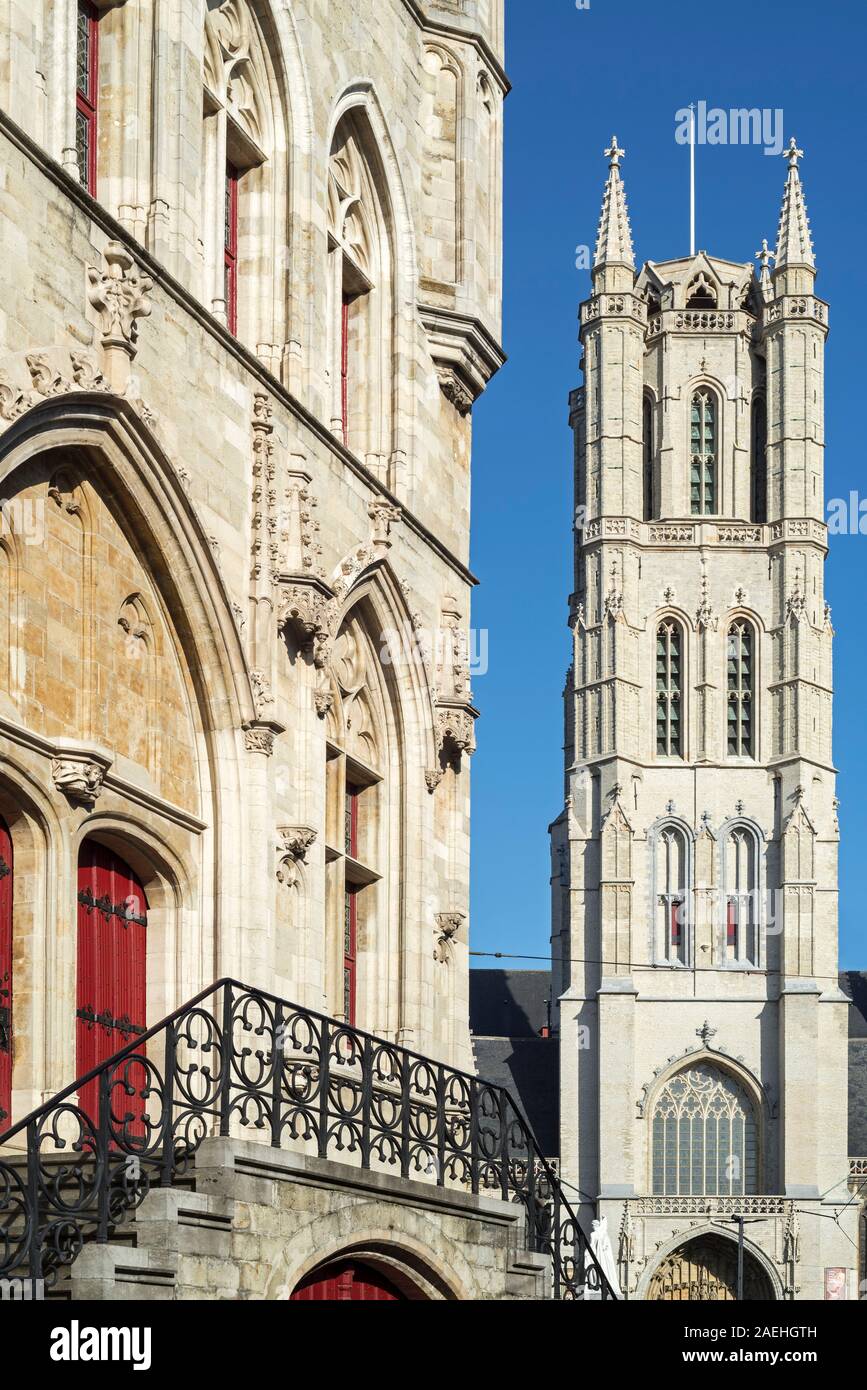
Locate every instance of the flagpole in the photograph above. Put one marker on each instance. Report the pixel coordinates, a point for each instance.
(692, 179)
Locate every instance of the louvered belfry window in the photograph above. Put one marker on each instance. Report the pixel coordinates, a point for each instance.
(740, 680)
(703, 453)
(669, 682)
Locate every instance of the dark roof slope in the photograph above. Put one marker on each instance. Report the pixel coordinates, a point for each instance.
(858, 1097)
(527, 1069)
(854, 983)
(509, 1003)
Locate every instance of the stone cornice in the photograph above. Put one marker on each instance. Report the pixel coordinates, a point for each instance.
(466, 354)
(464, 35)
(166, 282)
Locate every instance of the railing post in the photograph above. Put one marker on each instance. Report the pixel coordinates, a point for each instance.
(366, 1100)
(404, 1115)
(532, 1207)
(441, 1126)
(277, 1078)
(35, 1240)
(503, 1102)
(474, 1138)
(324, 1086)
(168, 1164)
(226, 1080)
(102, 1158)
(556, 1253)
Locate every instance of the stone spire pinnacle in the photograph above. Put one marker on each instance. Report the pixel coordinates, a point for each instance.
(794, 242)
(614, 238)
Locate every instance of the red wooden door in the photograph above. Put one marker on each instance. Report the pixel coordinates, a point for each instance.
(347, 1282)
(112, 958)
(5, 977)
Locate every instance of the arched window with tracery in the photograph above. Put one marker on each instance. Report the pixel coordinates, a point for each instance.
(669, 689)
(741, 690)
(742, 896)
(704, 444)
(360, 295)
(245, 159)
(704, 1136)
(672, 872)
(356, 848)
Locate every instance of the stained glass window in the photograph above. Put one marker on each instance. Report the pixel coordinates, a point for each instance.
(704, 1136)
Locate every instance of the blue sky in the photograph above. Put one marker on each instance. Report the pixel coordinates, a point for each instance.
(626, 67)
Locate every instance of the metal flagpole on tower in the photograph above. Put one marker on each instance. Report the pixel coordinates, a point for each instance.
(692, 178)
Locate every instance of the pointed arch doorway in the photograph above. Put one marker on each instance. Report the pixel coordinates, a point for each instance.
(705, 1270)
(347, 1281)
(111, 986)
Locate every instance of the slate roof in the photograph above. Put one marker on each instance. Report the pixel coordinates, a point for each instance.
(509, 1003)
(508, 1011)
(854, 983)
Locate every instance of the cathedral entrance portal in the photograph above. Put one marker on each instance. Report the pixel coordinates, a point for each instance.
(705, 1270)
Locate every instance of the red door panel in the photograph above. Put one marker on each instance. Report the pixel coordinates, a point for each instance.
(112, 959)
(5, 977)
(347, 1282)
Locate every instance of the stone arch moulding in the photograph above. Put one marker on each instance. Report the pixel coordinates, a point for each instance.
(108, 431)
(712, 1056)
(695, 1233)
(408, 1261)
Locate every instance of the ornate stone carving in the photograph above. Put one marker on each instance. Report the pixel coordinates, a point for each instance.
(263, 697)
(448, 924)
(309, 609)
(79, 776)
(293, 842)
(259, 738)
(432, 778)
(47, 379)
(120, 293)
(323, 699)
(456, 728)
(455, 391)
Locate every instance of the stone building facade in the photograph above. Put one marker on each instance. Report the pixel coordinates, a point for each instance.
(251, 257)
(703, 1033)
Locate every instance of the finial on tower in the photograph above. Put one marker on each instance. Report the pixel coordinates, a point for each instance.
(614, 154)
(793, 154)
(614, 237)
(765, 255)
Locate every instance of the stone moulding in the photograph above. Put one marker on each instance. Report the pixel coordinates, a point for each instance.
(464, 352)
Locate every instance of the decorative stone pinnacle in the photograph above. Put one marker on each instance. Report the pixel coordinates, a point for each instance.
(765, 255)
(614, 154)
(793, 154)
(705, 1032)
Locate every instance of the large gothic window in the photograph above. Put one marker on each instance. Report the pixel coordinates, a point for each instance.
(704, 1136)
(741, 692)
(360, 298)
(355, 820)
(758, 462)
(741, 870)
(672, 896)
(704, 428)
(669, 690)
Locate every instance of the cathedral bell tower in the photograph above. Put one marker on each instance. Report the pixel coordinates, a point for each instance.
(694, 924)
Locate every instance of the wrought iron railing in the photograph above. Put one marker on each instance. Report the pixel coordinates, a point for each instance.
(236, 1060)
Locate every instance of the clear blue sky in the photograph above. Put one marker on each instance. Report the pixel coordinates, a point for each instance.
(626, 67)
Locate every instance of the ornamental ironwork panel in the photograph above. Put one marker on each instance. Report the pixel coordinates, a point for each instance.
(234, 1060)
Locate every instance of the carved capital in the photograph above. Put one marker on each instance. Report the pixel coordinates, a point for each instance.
(456, 728)
(433, 777)
(308, 608)
(259, 738)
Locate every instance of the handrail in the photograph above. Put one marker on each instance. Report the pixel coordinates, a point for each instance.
(251, 1060)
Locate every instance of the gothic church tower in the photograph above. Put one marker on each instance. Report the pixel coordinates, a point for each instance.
(703, 1033)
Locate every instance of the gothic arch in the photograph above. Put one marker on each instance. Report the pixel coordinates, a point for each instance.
(360, 102)
(686, 835)
(756, 835)
(708, 1228)
(107, 433)
(740, 1074)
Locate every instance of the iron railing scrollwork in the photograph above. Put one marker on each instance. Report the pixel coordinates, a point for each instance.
(238, 1061)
